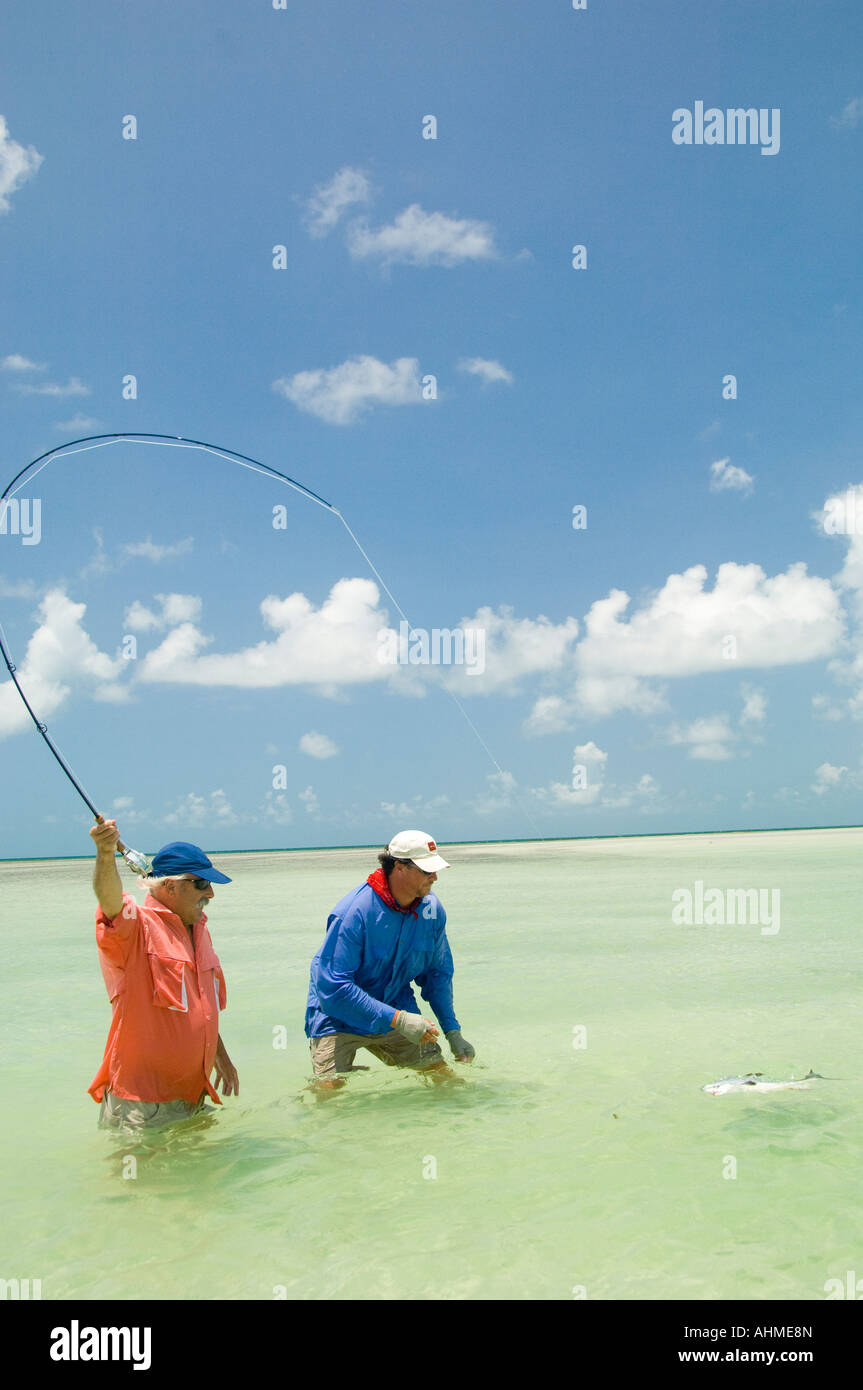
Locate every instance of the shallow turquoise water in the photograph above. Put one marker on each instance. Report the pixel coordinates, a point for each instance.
(557, 1167)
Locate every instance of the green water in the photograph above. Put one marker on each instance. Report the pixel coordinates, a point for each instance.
(556, 1167)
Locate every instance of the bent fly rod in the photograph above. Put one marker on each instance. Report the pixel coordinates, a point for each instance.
(137, 862)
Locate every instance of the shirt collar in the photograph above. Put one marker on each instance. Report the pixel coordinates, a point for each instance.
(378, 881)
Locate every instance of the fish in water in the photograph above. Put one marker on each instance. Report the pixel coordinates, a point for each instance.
(755, 1081)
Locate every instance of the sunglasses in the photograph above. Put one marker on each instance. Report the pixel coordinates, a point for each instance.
(200, 883)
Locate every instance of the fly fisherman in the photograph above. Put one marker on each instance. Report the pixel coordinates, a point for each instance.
(166, 989)
(384, 934)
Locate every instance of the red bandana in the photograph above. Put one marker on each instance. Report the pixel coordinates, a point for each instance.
(378, 880)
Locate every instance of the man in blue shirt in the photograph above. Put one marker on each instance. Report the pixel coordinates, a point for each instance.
(381, 936)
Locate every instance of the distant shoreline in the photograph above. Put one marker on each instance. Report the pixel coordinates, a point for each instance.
(547, 839)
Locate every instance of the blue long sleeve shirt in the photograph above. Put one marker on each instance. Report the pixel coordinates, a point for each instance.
(370, 955)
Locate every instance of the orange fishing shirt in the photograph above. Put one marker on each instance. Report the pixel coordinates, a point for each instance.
(166, 999)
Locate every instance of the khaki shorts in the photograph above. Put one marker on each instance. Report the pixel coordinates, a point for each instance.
(334, 1053)
(117, 1113)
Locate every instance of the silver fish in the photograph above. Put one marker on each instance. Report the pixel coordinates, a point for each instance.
(755, 1081)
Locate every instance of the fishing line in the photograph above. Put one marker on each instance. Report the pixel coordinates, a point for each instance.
(135, 860)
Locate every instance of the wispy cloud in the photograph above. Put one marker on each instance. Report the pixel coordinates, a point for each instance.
(707, 738)
(151, 551)
(850, 116)
(419, 809)
(754, 706)
(329, 200)
(827, 776)
(73, 387)
(309, 799)
(488, 369)
(124, 807)
(16, 363)
(588, 775)
(21, 588)
(78, 422)
(174, 609)
(18, 163)
(645, 797)
(726, 476)
(340, 395)
(710, 430)
(194, 809)
(276, 808)
(500, 794)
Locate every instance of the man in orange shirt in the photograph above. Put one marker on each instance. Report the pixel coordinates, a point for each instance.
(166, 989)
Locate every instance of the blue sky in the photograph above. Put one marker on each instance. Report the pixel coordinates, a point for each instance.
(691, 659)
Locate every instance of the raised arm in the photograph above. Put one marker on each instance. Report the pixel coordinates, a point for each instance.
(106, 880)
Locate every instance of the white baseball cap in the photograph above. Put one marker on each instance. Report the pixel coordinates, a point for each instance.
(419, 847)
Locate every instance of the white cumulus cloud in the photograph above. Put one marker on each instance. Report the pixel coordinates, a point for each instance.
(513, 649)
(318, 746)
(684, 630)
(423, 238)
(60, 656)
(329, 646)
(551, 714)
(842, 515)
(340, 395)
(18, 163)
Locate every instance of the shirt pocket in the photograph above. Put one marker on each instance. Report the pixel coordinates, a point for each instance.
(208, 964)
(219, 988)
(421, 955)
(169, 982)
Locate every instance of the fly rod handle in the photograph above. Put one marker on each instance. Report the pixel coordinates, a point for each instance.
(121, 848)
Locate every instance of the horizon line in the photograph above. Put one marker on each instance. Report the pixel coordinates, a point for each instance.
(546, 839)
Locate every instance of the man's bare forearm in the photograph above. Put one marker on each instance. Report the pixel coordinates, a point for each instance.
(106, 879)
(107, 885)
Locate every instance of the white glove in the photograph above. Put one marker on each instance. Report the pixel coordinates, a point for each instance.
(414, 1026)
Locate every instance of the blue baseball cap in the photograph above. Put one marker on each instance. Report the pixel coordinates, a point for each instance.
(181, 858)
